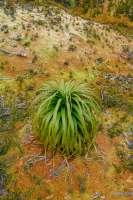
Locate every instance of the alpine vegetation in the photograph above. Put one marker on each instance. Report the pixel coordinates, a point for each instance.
(66, 116)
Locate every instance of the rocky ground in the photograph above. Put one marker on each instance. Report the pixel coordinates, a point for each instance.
(43, 43)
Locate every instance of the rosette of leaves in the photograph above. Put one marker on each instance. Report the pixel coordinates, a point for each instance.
(66, 116)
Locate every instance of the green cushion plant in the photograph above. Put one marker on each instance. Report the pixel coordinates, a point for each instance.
(66, 116)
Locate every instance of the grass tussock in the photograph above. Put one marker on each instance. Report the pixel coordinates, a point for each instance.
(66, 116)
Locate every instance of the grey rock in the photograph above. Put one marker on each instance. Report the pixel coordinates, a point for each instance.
(17, 37)
(129, 55)
(28, 7)
(129, 139)
(3, 78)
(21, 53)
(96, 196)
(120, 78)
(2, 189)
(130, 144)
(2, 2)
(6, 52)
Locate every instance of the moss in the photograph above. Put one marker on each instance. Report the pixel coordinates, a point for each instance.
(114, 131)
(5, 142)
(128, 164)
